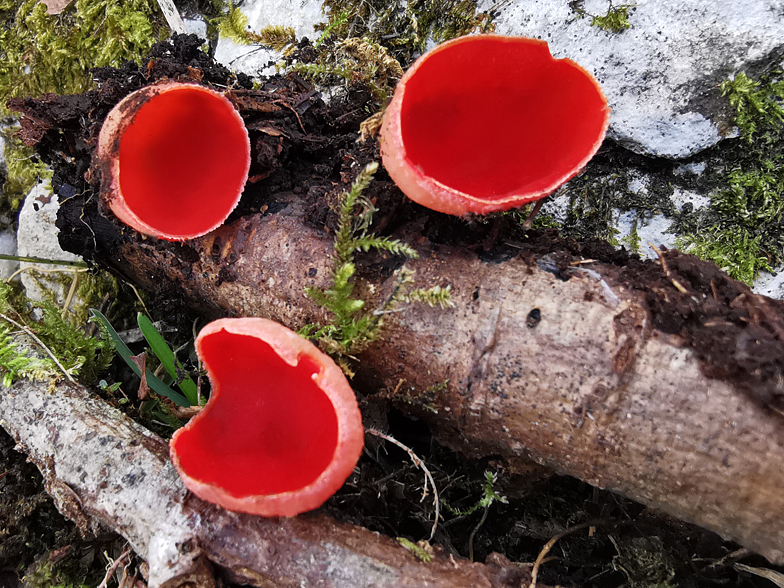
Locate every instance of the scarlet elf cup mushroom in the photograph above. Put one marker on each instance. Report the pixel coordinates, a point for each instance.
(174, 159)
(282, 430)
(486, 123)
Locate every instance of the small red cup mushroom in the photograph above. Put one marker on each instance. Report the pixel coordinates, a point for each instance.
(486, 123)
(281, 431)
(174, 159)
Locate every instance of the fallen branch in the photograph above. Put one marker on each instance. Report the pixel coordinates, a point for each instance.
(591, 388)
(101, 468)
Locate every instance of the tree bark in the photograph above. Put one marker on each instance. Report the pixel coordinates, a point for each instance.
(588, 386)
(102, 468)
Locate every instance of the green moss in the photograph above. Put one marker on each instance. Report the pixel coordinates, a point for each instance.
(353, 325)
(743, 231)
(616, 20)
(734, 250)
(91, 288)
(591, 209)
(234, 26)
(353, 61)
(45, 575)
(404, 26)
(23, 171)
(420, 552)
(758, 106)
(633, 238)
(77, 352)
(41, 53)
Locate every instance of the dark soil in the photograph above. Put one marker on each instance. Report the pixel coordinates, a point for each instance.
(306, 147)
(36, 542)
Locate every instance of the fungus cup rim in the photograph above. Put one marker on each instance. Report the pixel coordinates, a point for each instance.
(119, 119)
(436, 195)
(290, 347)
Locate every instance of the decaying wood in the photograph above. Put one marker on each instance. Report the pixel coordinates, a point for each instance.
(590, 389)
(101, 467)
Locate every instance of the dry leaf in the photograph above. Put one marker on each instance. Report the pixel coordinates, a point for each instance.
(55, 6)
(141, 362)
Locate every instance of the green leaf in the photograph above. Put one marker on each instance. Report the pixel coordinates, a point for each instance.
(166, 356)
(157, 385)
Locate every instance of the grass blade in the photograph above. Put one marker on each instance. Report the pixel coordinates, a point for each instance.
(157, 385)
(166, 356)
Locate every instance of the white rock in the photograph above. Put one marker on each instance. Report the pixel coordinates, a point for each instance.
(680, 197)
(195, 26)
(660, 75)
(37, 237)
(301, 15)
(771, 285)
(7, 247)
(649, 231)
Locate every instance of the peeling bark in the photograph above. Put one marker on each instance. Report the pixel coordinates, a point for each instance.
(591, 389)
(102, 468)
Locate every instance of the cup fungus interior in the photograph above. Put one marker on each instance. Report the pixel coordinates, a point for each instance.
(268, 429)
(498, 116)
(183, 161)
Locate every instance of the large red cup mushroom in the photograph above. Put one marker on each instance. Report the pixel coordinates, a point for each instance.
(174, 159)
(282, 430)
(487, 123)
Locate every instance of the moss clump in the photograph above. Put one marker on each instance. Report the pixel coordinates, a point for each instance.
(633, 238)
(233, 24)
(353, 61)
(591, 209)
(645, 562)
(42, 53)
(615, 20)
(23, 171)
(404, 26)
(77, 352)
(743, 231)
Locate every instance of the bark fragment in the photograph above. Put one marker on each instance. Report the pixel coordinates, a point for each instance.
(102, 468)
(592, 389)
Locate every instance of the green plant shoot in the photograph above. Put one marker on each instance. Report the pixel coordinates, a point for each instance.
(167, 358)
(153, 382)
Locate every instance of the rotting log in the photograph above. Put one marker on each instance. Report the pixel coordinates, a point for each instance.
(102, 468)
(588, 386)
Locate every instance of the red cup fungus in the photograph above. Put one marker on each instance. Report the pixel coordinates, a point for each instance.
(281, 431)
(486, 123)
(174, 159)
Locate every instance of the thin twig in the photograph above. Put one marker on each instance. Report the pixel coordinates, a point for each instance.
(666, 270)
(420, 464)
(474, 531)
(139, 298)
(30, 334)
(549, 545)
(28, 259)
(529, 222)
(290, 107)
(32, 268)
(113, 568)
(70, 296)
